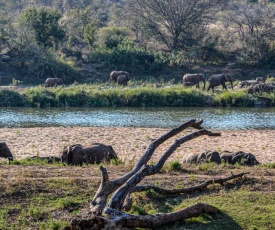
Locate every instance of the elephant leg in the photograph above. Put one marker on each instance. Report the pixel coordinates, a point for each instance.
(224, 86)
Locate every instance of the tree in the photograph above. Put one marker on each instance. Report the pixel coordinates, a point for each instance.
(44, 22)
(122, 187)
(110, 37)
(178, 24)
(251, 26)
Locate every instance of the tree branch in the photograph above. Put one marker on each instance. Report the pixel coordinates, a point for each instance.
(107, 187)
(191, 189)
(123, 220)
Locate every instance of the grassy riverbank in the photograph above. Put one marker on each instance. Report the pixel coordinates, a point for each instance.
(135, 95)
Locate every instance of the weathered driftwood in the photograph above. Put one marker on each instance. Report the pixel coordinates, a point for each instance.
(122, 187)
(188, 190)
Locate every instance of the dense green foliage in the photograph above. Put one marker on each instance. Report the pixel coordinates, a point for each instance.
(45, 25)
(41, 39)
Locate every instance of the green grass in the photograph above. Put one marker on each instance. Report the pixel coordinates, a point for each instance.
(238, 209)
(137, 94)
(39, 197)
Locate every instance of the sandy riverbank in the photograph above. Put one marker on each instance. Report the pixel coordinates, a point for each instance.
(130, 143)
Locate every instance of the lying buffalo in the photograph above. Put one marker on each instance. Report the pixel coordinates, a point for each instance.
(5, 151)
(240, 157)
(95, 154)
(205, 157)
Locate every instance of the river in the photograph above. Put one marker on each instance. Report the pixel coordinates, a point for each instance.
(214, 118)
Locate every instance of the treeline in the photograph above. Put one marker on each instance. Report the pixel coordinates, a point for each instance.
(80, 40)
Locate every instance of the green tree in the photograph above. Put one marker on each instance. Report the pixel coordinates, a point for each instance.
(111, 37)
(44, 22)
(251, 27)
(178, 24)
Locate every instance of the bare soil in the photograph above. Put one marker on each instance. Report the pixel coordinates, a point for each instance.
(130, 143)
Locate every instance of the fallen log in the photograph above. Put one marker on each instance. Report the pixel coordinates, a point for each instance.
(109, 215)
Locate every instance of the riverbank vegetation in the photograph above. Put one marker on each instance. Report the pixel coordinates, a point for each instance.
(137, 94)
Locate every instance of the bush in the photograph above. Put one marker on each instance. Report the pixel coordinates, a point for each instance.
(10, 98)
(230, 98)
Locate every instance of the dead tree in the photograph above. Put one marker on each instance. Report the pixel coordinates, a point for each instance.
(109, 215)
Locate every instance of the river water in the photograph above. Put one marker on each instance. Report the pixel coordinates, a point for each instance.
(214, 118)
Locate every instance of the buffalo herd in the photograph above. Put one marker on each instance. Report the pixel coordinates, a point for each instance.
(97, 153)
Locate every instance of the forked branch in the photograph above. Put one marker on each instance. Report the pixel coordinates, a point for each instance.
(108, 187)
(122, 187)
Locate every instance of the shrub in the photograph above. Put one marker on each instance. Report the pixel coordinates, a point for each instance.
(174, 165)
(10, 98)
(229, 98)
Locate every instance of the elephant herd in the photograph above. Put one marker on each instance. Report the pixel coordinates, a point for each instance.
(214, 80)
(119, 77)
(122, 77)
(240, 157)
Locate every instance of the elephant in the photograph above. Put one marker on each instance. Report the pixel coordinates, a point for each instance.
(122, 80)
(247, 159)
(219, 79)
(95, 154)
(193, 79)
(114, 74)
(5, 151)
(209, 156)
(50, 82)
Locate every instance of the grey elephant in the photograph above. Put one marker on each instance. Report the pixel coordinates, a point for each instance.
(209, 156)
(247, 159)
(219, 79)
(95, 154)
(5, 151)
(122, 80)
(194, 79)
(50, 82)
(114, 74)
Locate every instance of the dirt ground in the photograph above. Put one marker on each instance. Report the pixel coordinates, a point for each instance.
(130, 143)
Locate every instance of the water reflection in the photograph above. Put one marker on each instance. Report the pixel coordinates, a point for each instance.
(214, 118)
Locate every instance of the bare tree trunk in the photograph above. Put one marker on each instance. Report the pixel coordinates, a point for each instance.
(122, 187)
